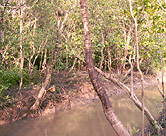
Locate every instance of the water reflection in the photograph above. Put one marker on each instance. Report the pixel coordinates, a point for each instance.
(87, 120)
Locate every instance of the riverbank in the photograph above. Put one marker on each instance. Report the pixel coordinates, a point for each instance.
(71, 91)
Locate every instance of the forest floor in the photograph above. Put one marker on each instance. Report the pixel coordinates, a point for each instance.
(73, 90)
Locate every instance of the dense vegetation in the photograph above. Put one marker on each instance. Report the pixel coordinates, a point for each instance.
(112, 35)
(29, 29)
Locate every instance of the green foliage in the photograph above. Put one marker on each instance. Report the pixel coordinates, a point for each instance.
(110, 19)
(12, 77)
(134, 130)
(5, 101)
(9, 77)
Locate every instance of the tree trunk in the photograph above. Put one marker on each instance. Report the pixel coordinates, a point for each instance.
(109, 59)
(40, 66)
(126, 49)
(158, 86)
(44, 61)
(74, 62)
(134, 98)
(1, 22)
(138, 67)
(47, 80)
(46, 83)
(102, 54)
(163, 90)
(3, 4)
(32, 68)
(98, 86)
(21, 47)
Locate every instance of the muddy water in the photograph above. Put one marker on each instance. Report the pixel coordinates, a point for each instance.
(87, 120)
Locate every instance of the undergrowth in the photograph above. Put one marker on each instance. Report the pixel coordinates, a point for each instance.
(11, 77)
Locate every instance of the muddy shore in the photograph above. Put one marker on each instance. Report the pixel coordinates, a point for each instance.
(70, 92)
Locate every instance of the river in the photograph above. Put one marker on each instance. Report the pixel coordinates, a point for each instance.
(87, 120)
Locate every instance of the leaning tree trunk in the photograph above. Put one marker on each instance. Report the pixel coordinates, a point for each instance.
(47, 80)
(74, 62)
(98, 86)
(134, 98)
(44, 61)
(138, 67)
(46, 83)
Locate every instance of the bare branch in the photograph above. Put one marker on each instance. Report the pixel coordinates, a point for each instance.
(161, 5)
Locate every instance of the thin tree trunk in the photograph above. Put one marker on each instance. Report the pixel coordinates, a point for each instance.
(2, 20)
(21, 47)
(67, 57)
(46, 83)
(98, 86)
(32, 68)
(126, 49)
(126, 74)
(44, 61)
(132, 80)
(109, 59)
(2, 24)
(138, 67)
(142, 83)
(105, 64)
(158, 86)
(41, 47)
(102, 54)
(47, 80)
(40, 67)
(74, 62)
(163, 90)
(102, 58)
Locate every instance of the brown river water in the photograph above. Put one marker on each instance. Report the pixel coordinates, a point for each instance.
(87, 120)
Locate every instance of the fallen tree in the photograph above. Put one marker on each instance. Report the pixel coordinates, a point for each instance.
(134, 98)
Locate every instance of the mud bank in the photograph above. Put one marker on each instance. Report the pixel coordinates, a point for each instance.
(70, 92)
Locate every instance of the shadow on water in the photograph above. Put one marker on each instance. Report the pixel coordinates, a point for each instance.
(87, 120)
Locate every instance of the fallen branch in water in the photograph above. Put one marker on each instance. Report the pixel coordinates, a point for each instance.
(134, 98)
